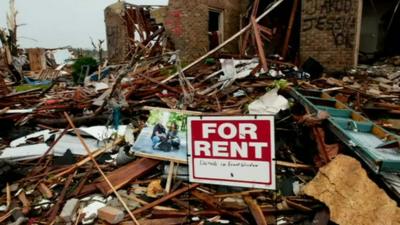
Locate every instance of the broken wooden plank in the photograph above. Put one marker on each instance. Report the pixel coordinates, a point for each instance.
(8, 196)
(213, 203)
(298, 206)
(127, 173)
(260, 44)
(165, 198)
(25, 203)
(289, 29)
(163, 221)
(247, 33)
(255, 210)
(86, 147)
(293, 165)
(169, 179)
(37, 59)
(54, 210)
(46, 192)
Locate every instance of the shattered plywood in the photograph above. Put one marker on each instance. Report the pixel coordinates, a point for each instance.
(37, 59)
(343, 185)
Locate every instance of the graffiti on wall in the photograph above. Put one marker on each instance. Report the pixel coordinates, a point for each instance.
(174, 22)
(334, 16)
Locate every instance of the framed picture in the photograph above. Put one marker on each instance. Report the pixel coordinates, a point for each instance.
(164, 136)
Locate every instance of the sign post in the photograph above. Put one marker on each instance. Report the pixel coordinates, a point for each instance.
(234, 151)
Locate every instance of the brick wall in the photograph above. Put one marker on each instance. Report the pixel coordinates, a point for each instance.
(186, 23)
(330, 32)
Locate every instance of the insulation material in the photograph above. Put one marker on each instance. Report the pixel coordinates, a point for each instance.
(269, 104)
(352, 198)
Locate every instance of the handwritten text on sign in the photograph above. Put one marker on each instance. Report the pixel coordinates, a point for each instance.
(236, 151)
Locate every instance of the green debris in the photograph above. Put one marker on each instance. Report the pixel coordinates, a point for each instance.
(77, 68)
(281, 84)
(27, 87)
(210, 61)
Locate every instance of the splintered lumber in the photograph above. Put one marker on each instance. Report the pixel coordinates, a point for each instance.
(289, 29)
(164, 221)
(8, 193)
(297, 206)
(37, 59)
(164, 213)
(86, 147)
(54, 211)
(293, 165)
(247, 34)
(8, 214)
(165, 198)
(127, 173)
(209, 200)
(260, 45)
(255, 210)
(25, 202)
(212, 202)
(238, 193)
(46, 192)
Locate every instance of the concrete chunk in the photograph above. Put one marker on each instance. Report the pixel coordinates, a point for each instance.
(69, 210)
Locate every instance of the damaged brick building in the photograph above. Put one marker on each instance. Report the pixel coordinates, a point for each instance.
(190, 25)
(330, 31)
(335, 33)
(195, 27)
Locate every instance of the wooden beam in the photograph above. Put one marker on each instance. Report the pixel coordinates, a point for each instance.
(247, 33)
(60, 199)
(169, 179)
(165, 198)
(255, 210)
(162, 221)
(260, 44)
(125, 174)
(212, 203)
(289, 29)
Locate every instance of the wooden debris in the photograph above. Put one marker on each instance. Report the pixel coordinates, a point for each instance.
(99, 169)
(260, 45)
(125, 174)
(26, 203)
(255, 210)
(46, 192)
(165, 198)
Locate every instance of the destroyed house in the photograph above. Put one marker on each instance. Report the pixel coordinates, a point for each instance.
(194, 27)
(241, 135)
(337, 34)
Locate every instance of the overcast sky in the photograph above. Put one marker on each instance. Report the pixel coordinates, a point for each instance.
(58, 23)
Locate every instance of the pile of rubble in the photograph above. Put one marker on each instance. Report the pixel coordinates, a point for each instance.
(66, 149)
